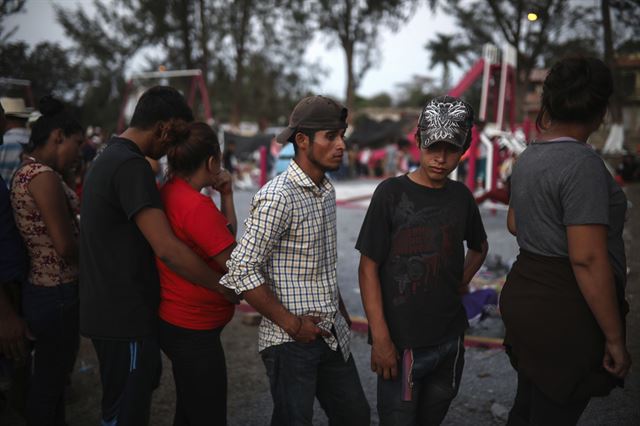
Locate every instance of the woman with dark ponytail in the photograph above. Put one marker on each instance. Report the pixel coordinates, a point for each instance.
(563, 303)
(192, 317)
(45, 210)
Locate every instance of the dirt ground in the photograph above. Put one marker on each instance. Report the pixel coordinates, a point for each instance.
(487, 389)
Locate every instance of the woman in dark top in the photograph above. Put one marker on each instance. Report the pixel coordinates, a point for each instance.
(563, 302)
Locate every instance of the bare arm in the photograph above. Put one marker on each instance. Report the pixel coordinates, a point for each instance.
(13, 330)
(224, 185)
(222, 257)
(590, 262)
(228, 210)
(300, 328)
(384, 356)
(47, 192)
(511, 221)
(472, 262)
(155, 227)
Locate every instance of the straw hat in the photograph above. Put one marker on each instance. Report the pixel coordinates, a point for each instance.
(15, 107)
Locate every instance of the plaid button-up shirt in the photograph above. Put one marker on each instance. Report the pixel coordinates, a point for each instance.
(290, 244)
(10, 150)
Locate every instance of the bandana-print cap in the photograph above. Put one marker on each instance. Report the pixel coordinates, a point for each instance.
(447, 119)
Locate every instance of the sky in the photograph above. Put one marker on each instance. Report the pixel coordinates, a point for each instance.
(402, 53)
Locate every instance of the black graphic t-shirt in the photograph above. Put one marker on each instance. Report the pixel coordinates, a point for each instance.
(415, 234)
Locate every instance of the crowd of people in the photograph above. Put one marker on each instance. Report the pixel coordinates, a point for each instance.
(140, 268)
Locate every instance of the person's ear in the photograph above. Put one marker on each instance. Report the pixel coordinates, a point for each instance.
(211, 163)
(158, 130)
(302, 140)
(58, 136)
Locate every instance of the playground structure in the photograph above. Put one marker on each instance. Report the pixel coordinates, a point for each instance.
(498, 135)
(197, 85)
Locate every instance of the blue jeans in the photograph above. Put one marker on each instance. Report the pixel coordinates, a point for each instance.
(51, 314)
(299, 372)
(435, 379)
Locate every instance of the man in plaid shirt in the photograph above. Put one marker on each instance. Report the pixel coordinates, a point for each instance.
(285, 267)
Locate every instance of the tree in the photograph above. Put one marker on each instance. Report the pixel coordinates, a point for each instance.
(7, 8)
(355, 25)
(47, 65)
(626, 13)
(626, 21)
(446, 51)
(558, 22)
(269, 32)
(415, 92)
(246, 48)
(381, 100)
(104, 44)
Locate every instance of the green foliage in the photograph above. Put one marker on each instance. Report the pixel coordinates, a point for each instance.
(46, 65)
(447, 50)
(381, 100)
(626, 16)
(355, 25)
(563, 26)
(248, 50)
(415, 92)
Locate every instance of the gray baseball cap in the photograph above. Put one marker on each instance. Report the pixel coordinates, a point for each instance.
(447, 119)
(314, 113)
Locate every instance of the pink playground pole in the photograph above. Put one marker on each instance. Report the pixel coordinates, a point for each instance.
(473, 155)
(526, 128)
(495, 166)
(263, 165)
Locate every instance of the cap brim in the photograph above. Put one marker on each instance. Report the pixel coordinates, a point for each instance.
(17, 114)
(449, 141)
(446, 140)
(284, 135)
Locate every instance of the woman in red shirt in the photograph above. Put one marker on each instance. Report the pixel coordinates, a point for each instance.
(192, 317)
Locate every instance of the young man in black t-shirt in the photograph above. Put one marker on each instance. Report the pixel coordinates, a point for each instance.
(122, 226)
(413, 270)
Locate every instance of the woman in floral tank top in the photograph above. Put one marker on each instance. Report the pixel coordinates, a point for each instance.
(46, 210)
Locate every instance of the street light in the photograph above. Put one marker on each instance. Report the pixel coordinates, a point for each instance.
(532, 16)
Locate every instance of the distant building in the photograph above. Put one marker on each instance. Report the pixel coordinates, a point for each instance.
(628, 83)
(628, 66)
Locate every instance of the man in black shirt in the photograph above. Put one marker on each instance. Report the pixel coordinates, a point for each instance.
(413, 269)
(122, 227)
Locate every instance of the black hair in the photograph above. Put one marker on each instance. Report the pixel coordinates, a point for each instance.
(576, 90)
(160, 103)
(54, 116)
(185, 156)
(310, 133)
